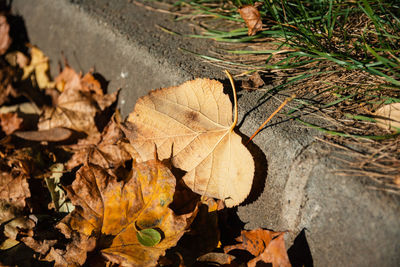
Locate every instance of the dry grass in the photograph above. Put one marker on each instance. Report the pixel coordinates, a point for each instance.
(324, 71)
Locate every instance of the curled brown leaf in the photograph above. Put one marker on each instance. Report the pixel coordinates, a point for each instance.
(10, 122)
(252, 18)
(5, 39)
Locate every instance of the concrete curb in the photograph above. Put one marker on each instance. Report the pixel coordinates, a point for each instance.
(345, 223)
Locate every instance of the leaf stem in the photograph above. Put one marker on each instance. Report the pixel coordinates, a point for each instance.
(271, 116)
(235, 106)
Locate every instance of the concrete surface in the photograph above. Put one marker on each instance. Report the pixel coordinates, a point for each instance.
(346, 224)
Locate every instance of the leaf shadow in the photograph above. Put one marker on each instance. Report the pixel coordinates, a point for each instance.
(260, 170)
(299, 253)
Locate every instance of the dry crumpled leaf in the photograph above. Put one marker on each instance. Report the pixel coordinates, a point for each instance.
(69, 79)
(5, 39)
(58, 195)
(193, 124)
(388, 116)
(252, 18)
(215, 258)
(111, 152)
(76, 108)
(17, 58)
(40, 65)
(22, 225)
(7, 74)
(108, 213)
(10, 122)
(274, 253)
(266, 245)
(89, 83)
(254, 82)
(12, 228)
(14, 189)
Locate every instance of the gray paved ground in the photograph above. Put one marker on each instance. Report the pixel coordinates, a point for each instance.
(295, 188)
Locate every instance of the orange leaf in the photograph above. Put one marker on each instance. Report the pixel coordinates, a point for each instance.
(253, 241)
(274, 253)
(110, 212)
(252, 18)
(89, 83)
(68, 79)
(10, 122)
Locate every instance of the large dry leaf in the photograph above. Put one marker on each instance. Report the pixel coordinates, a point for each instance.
(109, 213)
(389, 116)
(193, 123)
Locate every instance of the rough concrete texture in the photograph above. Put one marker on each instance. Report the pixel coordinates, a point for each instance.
(295, 187)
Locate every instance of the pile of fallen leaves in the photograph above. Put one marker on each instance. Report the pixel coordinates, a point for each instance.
(80, 186)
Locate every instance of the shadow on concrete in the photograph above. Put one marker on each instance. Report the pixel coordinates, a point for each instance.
(299, 253)
(260, 170)
(18, 31)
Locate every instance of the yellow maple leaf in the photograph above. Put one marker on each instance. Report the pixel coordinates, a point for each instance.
(113, 214)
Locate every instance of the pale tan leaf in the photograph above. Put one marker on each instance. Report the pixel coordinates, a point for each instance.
(26, 107)
(51, 135)
(388, 116)
(193, 124)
